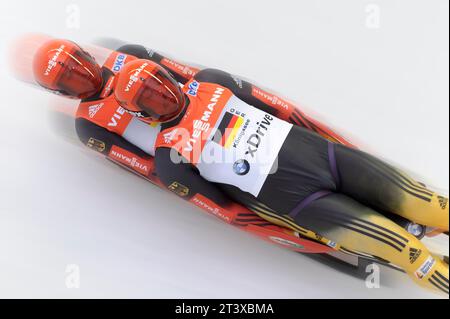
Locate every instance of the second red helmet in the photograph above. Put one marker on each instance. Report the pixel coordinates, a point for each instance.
(148, 91)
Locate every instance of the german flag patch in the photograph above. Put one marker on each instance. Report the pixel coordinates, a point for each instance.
(228, 129)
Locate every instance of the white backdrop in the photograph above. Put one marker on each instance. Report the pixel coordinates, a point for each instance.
(384, 80)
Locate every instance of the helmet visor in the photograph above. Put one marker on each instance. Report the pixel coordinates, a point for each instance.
(160, 97)
(80, 76)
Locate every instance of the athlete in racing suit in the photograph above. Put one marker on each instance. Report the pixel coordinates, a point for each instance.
(254, 155)
(295, 178)
(104, 126)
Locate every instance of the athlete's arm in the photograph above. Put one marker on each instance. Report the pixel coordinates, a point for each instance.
(267, 102)
(114, 147)
(181, 72)
(184, 179)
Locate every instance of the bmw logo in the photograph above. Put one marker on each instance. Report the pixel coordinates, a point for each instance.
(241, 167)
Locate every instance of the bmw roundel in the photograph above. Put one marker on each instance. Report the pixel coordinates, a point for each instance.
(241, 167)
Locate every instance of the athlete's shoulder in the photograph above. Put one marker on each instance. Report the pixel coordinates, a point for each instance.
(136, 50)
(105, 113)
(225, 79)
(212, 75)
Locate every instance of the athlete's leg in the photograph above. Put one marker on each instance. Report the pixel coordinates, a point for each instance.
(360, 228)
(378, 184)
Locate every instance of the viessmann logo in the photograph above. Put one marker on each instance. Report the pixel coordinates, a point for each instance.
(203, 124)
(178, 67)
(273, 99)
(52, 61)
(135, 76)
(133, 162)
(116, 117)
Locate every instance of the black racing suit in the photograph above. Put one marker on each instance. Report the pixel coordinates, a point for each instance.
(330, 189)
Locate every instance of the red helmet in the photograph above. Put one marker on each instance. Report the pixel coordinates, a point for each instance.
(64, 68)
(149, 92)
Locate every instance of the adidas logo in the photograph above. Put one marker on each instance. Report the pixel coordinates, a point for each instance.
(414, 254)
(443, 202)
(93, 109)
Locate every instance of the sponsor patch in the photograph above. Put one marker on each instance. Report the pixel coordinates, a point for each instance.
(241, 167)
(269, 98)
(425, 268)
(119, 62)
(238, 81)
(210, 207)
(285, 242)
(150, 52)
(135, 76)
(414, 254)
(179, 189)
(332, 244)
(117, 116)
(443, 202)
(52, 62)
(127, 158)
(179, 68)
(228, 129)
(202, 125)
(255, 140)
(95, 144)
(193, 88)
(93, 109)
